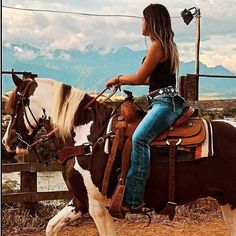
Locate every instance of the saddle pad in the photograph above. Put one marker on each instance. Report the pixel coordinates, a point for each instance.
(205, 149)
(191, 133)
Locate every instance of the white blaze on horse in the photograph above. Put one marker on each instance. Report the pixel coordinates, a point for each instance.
(75, 124)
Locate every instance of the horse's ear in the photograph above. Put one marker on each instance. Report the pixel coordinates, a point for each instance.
(17, 81)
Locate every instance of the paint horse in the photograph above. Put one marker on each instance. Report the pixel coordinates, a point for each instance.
(79, 124)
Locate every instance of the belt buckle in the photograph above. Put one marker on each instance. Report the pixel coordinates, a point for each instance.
(88, 148)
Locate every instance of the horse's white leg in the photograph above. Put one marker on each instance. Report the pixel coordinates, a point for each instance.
(97, 201)
(230, 218)
(101, 217)
(65, 216)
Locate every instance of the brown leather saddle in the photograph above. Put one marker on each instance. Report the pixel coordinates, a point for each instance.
(187, 131)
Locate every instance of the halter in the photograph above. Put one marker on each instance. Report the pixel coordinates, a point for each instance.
(24, 102)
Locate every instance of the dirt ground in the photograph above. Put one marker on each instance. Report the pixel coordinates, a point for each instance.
(136, 226)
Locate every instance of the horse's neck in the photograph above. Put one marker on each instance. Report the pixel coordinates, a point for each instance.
(102, 114)
(98, 114)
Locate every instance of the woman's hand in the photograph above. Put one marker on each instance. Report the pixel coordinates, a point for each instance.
(113, 82)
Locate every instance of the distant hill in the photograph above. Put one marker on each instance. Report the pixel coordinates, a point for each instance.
(89, 71)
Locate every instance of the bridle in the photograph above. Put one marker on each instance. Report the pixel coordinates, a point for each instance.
(23, 102)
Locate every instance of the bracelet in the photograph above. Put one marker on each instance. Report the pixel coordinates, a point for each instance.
(118, 79)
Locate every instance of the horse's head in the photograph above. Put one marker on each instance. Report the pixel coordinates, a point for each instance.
(24, 123)
(36, 102)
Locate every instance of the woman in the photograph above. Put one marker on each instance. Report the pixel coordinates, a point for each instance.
(159, 72)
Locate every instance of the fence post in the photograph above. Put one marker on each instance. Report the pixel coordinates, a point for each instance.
(28, 183)
(189, 88)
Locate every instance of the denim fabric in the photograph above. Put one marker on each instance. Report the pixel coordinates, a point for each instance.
(163, 113)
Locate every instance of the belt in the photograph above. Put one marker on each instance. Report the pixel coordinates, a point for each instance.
(170, 90)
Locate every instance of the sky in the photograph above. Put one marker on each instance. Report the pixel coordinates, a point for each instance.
(51, 31)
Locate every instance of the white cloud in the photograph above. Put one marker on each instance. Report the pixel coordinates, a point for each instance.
(50, 31)
(219, 50)
(24, 54)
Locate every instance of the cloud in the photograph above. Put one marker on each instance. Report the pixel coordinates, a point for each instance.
(24, 54)
(218, 50)
(50, 31)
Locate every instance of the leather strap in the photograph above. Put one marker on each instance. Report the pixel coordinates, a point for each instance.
(125, 160)
(118, 195)
(71, 151)
(171, 190)
(169, 209)
(44, 138)
(110, 162)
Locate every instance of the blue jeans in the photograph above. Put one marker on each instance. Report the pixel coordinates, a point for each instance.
(163, 113)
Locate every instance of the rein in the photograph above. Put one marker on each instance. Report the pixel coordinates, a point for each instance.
(102, 92)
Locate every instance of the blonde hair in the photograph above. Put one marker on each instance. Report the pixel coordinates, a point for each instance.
(159, 28)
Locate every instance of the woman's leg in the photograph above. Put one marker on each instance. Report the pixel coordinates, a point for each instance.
(157, 120)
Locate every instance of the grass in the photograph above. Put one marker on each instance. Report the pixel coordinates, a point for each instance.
(16, 220)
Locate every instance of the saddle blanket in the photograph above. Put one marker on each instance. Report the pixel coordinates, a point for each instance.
(205, 149)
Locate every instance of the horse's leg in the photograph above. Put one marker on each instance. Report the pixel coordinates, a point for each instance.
(65, 216)
(230, 218)
(101, 217)
(97, 209)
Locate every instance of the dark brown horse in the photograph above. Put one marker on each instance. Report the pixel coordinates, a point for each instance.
(64, 105)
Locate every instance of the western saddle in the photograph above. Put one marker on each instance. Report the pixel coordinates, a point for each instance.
(187, 131)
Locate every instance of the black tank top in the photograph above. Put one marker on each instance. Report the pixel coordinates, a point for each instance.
(161, 76)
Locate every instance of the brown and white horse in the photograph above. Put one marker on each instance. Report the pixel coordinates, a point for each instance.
(34, 99)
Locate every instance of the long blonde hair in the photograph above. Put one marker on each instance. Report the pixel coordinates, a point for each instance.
(158, 27)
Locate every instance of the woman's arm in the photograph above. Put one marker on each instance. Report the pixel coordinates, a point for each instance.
(153, 57)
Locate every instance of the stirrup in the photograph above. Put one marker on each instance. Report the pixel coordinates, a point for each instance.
(137, 210)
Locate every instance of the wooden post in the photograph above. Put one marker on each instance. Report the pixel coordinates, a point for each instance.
(28, 183)
(188, 87)
(197, 40)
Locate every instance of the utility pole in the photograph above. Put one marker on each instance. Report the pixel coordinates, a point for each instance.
(187, 16)
(197, 40)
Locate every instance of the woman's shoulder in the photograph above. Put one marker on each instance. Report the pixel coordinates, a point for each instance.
(156, 47)
(156, 44)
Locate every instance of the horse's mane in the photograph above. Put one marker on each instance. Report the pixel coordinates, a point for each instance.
(66, 100)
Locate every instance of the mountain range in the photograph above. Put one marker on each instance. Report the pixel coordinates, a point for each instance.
(90, 70)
